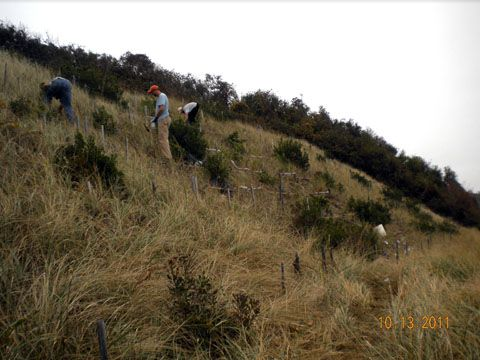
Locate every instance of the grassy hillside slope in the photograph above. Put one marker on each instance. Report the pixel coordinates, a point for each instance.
(71, 256)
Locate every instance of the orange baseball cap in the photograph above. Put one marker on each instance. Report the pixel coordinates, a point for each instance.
(152, 89)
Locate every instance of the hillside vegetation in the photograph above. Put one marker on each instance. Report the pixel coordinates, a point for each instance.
(104, 75)
(181, 275)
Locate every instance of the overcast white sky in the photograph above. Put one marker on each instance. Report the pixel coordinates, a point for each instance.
(410, 71)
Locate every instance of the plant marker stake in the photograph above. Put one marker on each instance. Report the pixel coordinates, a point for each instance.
(193, 179)
(253, 194)
(282, 277)
(331, 251)
(103, 135)
(397, 255)
(324, 258)
(5, 77)
(229, 197)
(102, 339)
(280, 190)
(145, 110)
(296, 264)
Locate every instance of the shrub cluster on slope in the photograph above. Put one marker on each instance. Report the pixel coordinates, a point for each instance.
(83, 160)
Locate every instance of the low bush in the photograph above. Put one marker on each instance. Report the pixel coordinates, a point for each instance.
(424, 223)
(83, 160)
(393, 197)
(332, 232)
(102, 117)
(321, 158)
(362, 180)
(203, 320)
(370, 211)
(236, 144)
(329, 181)
(189, 139)
(21, 106)
(265, 178)
(291, 151)
(311, 213)
(447, 227)
(217, 168)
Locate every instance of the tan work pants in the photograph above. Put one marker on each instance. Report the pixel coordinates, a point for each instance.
(162, 138)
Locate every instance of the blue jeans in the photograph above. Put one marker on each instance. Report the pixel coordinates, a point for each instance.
(61, 89)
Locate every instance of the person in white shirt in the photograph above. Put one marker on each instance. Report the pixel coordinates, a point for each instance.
(190, 111)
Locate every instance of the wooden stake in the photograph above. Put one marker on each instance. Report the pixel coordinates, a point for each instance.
(324, 258)
(90, 188)
(280, 192)
(154, 187)
(103, 135)
(229, 197)
(397, 255)
(296, 264)
(5, 77)
(194, 181)
(102, 339)
(282, 278)
(331, 253)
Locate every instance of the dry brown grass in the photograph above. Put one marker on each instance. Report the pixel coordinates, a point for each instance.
(70, 257)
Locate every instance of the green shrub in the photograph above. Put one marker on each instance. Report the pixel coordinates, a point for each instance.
(291, 151)
(189, 138)
(245, 309)
(424, 223)
(362, 180)
(83, 160)
(370, 211)
(102, 117)
(367, 243)
(123, 104)
(447, 227)
(265, 178)
(217, 168)
(237, 145)
(393, 197)
(412, 205)
(21, 106)
(333, 232)
(203, 320)
(311, 213)
(327, 179)
(321, 158)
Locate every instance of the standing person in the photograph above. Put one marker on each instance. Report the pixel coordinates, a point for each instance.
(61, 89)
(190, 111)
(161, 120)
